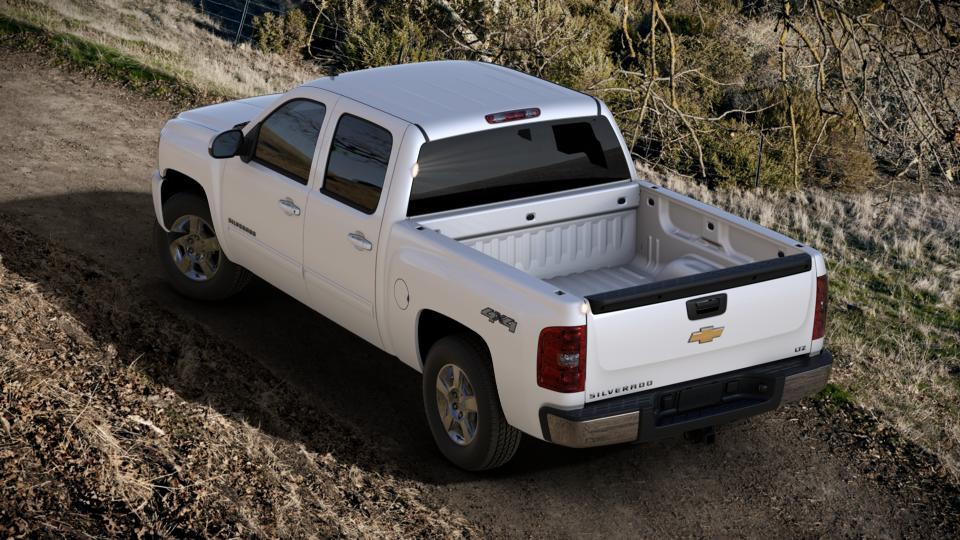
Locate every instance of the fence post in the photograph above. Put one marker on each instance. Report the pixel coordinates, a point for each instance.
(756, 181)
(246, 5)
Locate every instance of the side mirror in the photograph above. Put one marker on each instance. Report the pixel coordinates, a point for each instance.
(226, 144)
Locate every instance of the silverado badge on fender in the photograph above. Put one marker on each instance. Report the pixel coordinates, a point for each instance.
(705, 335)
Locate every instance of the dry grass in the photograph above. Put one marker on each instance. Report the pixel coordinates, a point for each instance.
(894, 320)
(117, 420)
(167, 35)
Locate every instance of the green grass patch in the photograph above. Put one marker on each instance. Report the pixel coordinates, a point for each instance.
(101, 60)
(836, 396)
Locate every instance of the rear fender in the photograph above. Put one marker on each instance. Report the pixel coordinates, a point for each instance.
(504, 306)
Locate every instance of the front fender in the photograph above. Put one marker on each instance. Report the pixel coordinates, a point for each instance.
(183, 148)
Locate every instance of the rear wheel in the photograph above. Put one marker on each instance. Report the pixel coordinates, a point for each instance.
(462, 406)
(190, 252)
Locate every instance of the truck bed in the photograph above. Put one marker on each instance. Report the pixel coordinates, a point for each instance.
(676, 289)
(612, 238)
(600, 280)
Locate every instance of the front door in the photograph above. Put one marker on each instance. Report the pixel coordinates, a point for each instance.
(264, 200)
(344, 217)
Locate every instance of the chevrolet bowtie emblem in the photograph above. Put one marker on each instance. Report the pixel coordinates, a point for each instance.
(705, 335)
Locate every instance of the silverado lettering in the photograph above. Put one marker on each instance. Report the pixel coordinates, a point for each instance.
(242, 227)
(622, 390)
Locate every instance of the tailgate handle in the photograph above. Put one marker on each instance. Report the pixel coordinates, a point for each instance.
(708, 306)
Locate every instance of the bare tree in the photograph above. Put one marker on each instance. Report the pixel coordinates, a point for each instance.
(897, 67)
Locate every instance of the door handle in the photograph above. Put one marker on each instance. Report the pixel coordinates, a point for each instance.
(288, 207)
(360, 241)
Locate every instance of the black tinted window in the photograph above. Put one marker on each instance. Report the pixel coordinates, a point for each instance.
(358, 163)
(516, 161)
(288, 138)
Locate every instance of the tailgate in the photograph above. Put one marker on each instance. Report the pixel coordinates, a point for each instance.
(678, 330)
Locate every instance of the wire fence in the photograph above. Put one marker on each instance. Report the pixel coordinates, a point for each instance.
(234, 20)
(235, 17)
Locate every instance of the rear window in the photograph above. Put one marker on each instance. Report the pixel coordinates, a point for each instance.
(516, 161)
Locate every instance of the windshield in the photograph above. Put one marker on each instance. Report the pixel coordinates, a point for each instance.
(516, 161)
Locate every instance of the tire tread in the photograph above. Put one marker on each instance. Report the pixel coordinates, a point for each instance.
(502, 439)
(507, 437)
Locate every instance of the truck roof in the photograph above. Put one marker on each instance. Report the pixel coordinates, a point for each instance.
(451, 97)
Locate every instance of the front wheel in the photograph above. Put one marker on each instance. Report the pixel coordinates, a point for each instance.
(190, 252)
(463, 408)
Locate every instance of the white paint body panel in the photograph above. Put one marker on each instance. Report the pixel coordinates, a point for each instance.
(341, 280)
(650, 344)
(460, 262)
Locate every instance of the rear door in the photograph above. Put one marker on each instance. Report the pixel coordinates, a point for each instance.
(342, 234)
(684, 329)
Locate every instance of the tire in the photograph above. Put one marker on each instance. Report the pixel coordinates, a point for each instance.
(492, 442)
(205, 273)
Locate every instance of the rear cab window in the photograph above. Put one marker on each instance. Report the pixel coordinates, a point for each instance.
(357, 166)
(516, 161)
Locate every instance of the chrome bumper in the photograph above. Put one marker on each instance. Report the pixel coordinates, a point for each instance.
(647, 416)
(598, 432)
(806, 383)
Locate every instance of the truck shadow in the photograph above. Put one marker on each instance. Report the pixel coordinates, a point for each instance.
(371, 394)
(324, 366)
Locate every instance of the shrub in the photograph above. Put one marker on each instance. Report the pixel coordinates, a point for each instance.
(285, 34)
(833, 148)
(393, 33)
(268, 33)
(731, 158)
(295, 32)
(564, 41)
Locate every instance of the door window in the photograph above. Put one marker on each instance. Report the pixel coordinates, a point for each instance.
(288, 138)
(357, 166)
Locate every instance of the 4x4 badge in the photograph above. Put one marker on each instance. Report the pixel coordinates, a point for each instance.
(705, 335)
(493, 315)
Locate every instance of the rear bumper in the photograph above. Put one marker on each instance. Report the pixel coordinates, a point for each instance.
(672, 410)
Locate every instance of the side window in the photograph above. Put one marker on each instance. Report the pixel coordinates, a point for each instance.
(288, 138)
(358, 163)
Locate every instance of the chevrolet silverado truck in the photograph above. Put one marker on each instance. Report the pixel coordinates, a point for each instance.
(489, 229)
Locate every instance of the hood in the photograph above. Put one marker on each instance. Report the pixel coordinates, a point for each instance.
(223, 116)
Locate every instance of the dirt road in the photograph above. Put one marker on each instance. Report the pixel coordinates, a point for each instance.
(75, 161)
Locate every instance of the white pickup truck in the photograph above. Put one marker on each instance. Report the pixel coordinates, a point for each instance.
(488, 229)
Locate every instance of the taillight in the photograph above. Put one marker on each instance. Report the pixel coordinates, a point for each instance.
(509, 116)
(562, 358)
(820, 318)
